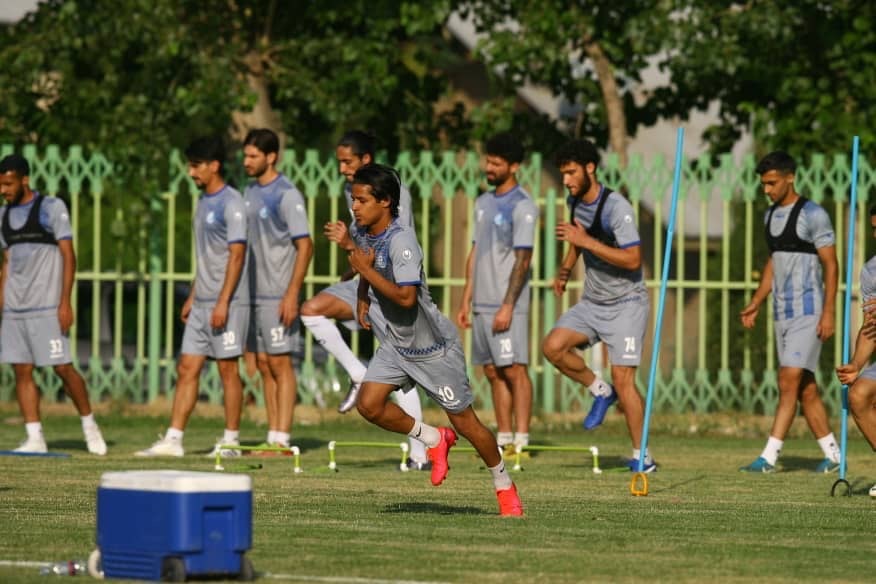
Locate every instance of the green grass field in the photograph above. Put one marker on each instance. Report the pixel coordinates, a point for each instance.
(702, 520)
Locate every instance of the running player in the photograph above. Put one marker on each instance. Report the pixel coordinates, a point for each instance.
(355, 150)
(39, 266)
(614, 305)
(421, 346)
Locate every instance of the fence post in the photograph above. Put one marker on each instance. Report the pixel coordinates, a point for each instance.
(550, 301)
(153, 353)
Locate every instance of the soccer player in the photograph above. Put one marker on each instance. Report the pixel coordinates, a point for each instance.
(280, 249)
(421, 346)
(801, 272)
(39, 265)
(614, 306)
(216, 313)
(860, 378)
(497, 288)
(355, 150)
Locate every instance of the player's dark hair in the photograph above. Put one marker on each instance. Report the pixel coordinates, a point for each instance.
(872, 210)
(384, 183)
(15, 163)
(581, 151)
(264, 139)
(359, 142)
(207, 149)
(779, 161)
(506, 146)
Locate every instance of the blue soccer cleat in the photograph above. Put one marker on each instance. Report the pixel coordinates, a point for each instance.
(759, 465)
(827, 466)
(649, 466)
(600, 406)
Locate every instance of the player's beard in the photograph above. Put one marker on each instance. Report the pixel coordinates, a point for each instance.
(497, 179)
(257, 172)
(585, 186)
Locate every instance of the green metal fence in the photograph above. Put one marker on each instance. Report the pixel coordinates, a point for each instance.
(133, 271)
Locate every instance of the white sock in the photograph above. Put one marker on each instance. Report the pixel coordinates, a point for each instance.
(174, 434)
(504, 438)
(599, 388)
(829, 447)
(231, 436)
(772, 450)
(88, 421)
(282, 438)
(426, 434)
(272, 437)
(521, 439)
(501, 478)
(637, 452)
(327, 334)
(409, 402)
(34, 430)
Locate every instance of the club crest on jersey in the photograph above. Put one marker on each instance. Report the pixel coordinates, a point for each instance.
(380, 260)
(498, 219)
(263, 212)
(407, 254)
(211, 217)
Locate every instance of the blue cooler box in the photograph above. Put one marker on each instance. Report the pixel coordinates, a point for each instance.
(168, 524)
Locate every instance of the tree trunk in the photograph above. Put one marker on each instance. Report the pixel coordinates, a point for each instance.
(262, 114)
(614, 105)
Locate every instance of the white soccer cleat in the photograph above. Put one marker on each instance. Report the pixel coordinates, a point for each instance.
(224, 452)
(164, 447)
(873, 491)
(33, 446)
(94, 441)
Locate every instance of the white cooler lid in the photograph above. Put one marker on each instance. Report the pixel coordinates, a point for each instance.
(176, 481)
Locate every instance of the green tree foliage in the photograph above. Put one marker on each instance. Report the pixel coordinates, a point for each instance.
(798, 74)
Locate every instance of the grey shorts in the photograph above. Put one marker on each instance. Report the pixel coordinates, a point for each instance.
(37, 341)
(199, 338)
(502, 349)
(441, 374)
(620, 326)
(267, 334)
(796, 342)
(348, 292)
(869, 372)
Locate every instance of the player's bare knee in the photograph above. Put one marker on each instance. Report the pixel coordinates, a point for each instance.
(552, 349)
(860, 400)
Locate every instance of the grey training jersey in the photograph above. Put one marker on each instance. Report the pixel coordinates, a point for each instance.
(603, 282)
(35, 270)
(418, 331)
(276, 217)
(219, 221)
(405, 206)
(503, 223)
(798, 286)
(868, 280)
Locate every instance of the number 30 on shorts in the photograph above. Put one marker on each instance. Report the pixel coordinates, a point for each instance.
(228, 338)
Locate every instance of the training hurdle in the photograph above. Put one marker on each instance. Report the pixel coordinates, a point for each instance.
(403, 446)
(294, 450)
(519, 450)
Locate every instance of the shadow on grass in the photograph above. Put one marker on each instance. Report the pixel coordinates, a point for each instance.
(73, 445)
(432, 509)
(679, 484)
(798, 463)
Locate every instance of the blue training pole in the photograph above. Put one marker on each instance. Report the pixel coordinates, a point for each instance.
(847, 317)
(667, 261)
